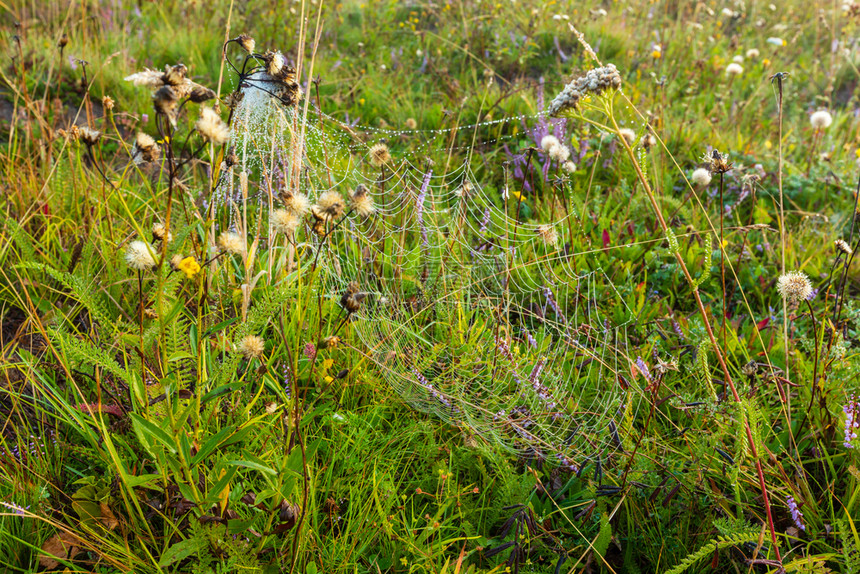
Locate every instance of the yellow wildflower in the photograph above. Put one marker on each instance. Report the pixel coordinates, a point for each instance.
(189, 266)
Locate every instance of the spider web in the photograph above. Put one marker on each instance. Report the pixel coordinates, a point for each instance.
(471, 315)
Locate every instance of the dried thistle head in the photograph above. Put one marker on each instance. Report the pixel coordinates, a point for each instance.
(107, 103)
(361, 201)
(159, 232)
(842, 247)
(329, 205)
(284, 221)
(139, 256)
(252, 347)
(212, 127)
(794, 286)
(89, 136)
(246, 42)
(296, 203)
(547, 234)
(144, 149)
(717, 162)
(231, 243)
(379, 155)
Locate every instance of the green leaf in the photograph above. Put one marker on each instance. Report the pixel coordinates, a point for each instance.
(151, 431)
(182, 550)
(253, 465)
(211, 444)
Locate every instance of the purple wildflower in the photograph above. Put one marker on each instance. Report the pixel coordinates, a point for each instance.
(552, 303)
(643, 368)
(529, 338)
(16, 509)
(852, 421)
(310, 351)
(796, 514)
(485, 223)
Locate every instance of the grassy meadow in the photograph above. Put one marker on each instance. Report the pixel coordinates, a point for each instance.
(429, 286)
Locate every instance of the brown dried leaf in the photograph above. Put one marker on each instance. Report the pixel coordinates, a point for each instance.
(63, 546)
(108, 518)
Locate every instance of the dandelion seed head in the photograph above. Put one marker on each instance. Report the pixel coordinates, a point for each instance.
(752, 54)
(821, 119)
(559, 153)
(568, 166)
(548, 142)
(734, 69)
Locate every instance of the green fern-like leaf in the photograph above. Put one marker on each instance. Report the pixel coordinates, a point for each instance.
(718, 543)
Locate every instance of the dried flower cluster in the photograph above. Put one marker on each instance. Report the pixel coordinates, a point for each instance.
(169, 88)
(593, 83)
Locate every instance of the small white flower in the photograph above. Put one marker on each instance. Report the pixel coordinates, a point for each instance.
(753, 54)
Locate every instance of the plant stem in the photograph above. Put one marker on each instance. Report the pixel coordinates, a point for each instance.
(703, 312)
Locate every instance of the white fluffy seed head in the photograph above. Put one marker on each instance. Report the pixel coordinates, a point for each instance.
(231, 243)
(252, 347)
(568, 166)
(700, 177)
(548, 142)
(753, 54)
(284, 222)
(734, 69)
(547, 234)
(794, 286)
(628, 135)
(139, 257)
(559, 153)
(821, 119)
(296, 203)
(212, 127)
(159, 232)
(361, 201)
(842, 246)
